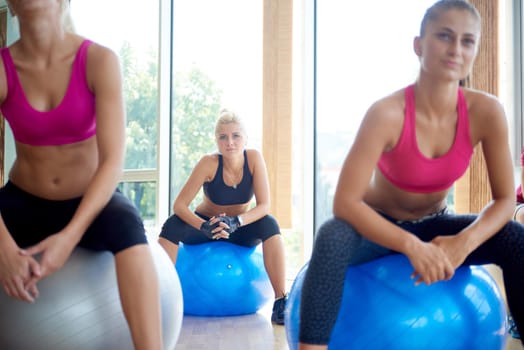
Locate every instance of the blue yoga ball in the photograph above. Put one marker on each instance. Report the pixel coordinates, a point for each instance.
(79, 307)
(382, 309)
(222, 279)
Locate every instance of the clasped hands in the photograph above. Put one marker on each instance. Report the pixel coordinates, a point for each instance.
(21, 271)
(221, 226)
(437, 260)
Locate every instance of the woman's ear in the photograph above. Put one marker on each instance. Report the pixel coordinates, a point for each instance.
(417, 46)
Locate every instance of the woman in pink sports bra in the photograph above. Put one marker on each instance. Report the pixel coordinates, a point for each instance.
(391, 195)
(62, 97)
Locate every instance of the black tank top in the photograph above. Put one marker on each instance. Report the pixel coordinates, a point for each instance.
(220, 193)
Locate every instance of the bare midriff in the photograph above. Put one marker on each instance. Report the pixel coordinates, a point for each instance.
(55, 172)
(402, 205)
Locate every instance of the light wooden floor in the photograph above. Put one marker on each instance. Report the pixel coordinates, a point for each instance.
(250, 332)
(253, 332)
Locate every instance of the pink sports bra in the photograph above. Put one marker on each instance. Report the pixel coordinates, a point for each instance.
(407, 168)
(73, 120)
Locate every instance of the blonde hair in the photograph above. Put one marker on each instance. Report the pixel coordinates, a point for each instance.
(227, 117)
(67, 20)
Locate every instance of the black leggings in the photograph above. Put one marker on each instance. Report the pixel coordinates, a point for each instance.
(176, 230)
(31, 219)
(338, 245)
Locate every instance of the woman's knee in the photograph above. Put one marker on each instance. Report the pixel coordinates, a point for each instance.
(117, 227)
(177, 230)
(336, 235)
(336, 230)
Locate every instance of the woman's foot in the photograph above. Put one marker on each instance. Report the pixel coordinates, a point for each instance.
(279, 306)
(512, 328)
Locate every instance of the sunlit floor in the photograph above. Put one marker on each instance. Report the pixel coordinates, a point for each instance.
(514, 344)
(250, 332)
(256, 332)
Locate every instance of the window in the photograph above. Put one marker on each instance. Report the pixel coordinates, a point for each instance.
(134, 37)
(217, 63)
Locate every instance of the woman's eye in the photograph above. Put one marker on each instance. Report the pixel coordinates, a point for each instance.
(469, 42)
(444, 36)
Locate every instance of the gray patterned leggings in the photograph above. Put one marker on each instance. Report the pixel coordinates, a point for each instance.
(338, 245)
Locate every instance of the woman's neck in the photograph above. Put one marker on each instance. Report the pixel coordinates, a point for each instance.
(436, 99)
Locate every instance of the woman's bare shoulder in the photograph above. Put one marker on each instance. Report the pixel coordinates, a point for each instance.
(254, 158)
(206, 167)
(208, 160)
(253, 153)
(388, 109)
(98, 51)
(487, 118)
(481, 101)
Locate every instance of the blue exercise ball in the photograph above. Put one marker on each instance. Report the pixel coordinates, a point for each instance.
(383, 309)
(79, 307)
(222, 279)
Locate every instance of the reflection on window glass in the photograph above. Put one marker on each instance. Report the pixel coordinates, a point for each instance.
(217, 63)
(134, 37)
(362, 55)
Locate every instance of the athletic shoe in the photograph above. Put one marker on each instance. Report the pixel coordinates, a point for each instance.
(278, 310)
(512, 328)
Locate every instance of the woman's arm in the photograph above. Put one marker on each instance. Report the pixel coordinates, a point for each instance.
(15, 269)
(379, 131)
(103, 74)
(489, 128)
(201, 173)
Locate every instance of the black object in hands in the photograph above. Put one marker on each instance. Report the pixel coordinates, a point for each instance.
(232, 221)
(207, 227)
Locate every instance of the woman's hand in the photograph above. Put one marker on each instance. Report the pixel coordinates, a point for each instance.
(55, 251)
(214, 228)
(16, 270)
(431, 263)
(453, 248)
(231, 222)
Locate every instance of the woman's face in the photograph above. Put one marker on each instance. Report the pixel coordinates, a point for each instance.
(17, 7)
(449, 45)
(230, 139)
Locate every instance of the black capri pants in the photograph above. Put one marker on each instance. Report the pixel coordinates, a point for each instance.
(30, 219)
(176, 230)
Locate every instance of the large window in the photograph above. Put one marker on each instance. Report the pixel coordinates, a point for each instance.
(217, 63)
(134, 37)
(363, 54)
